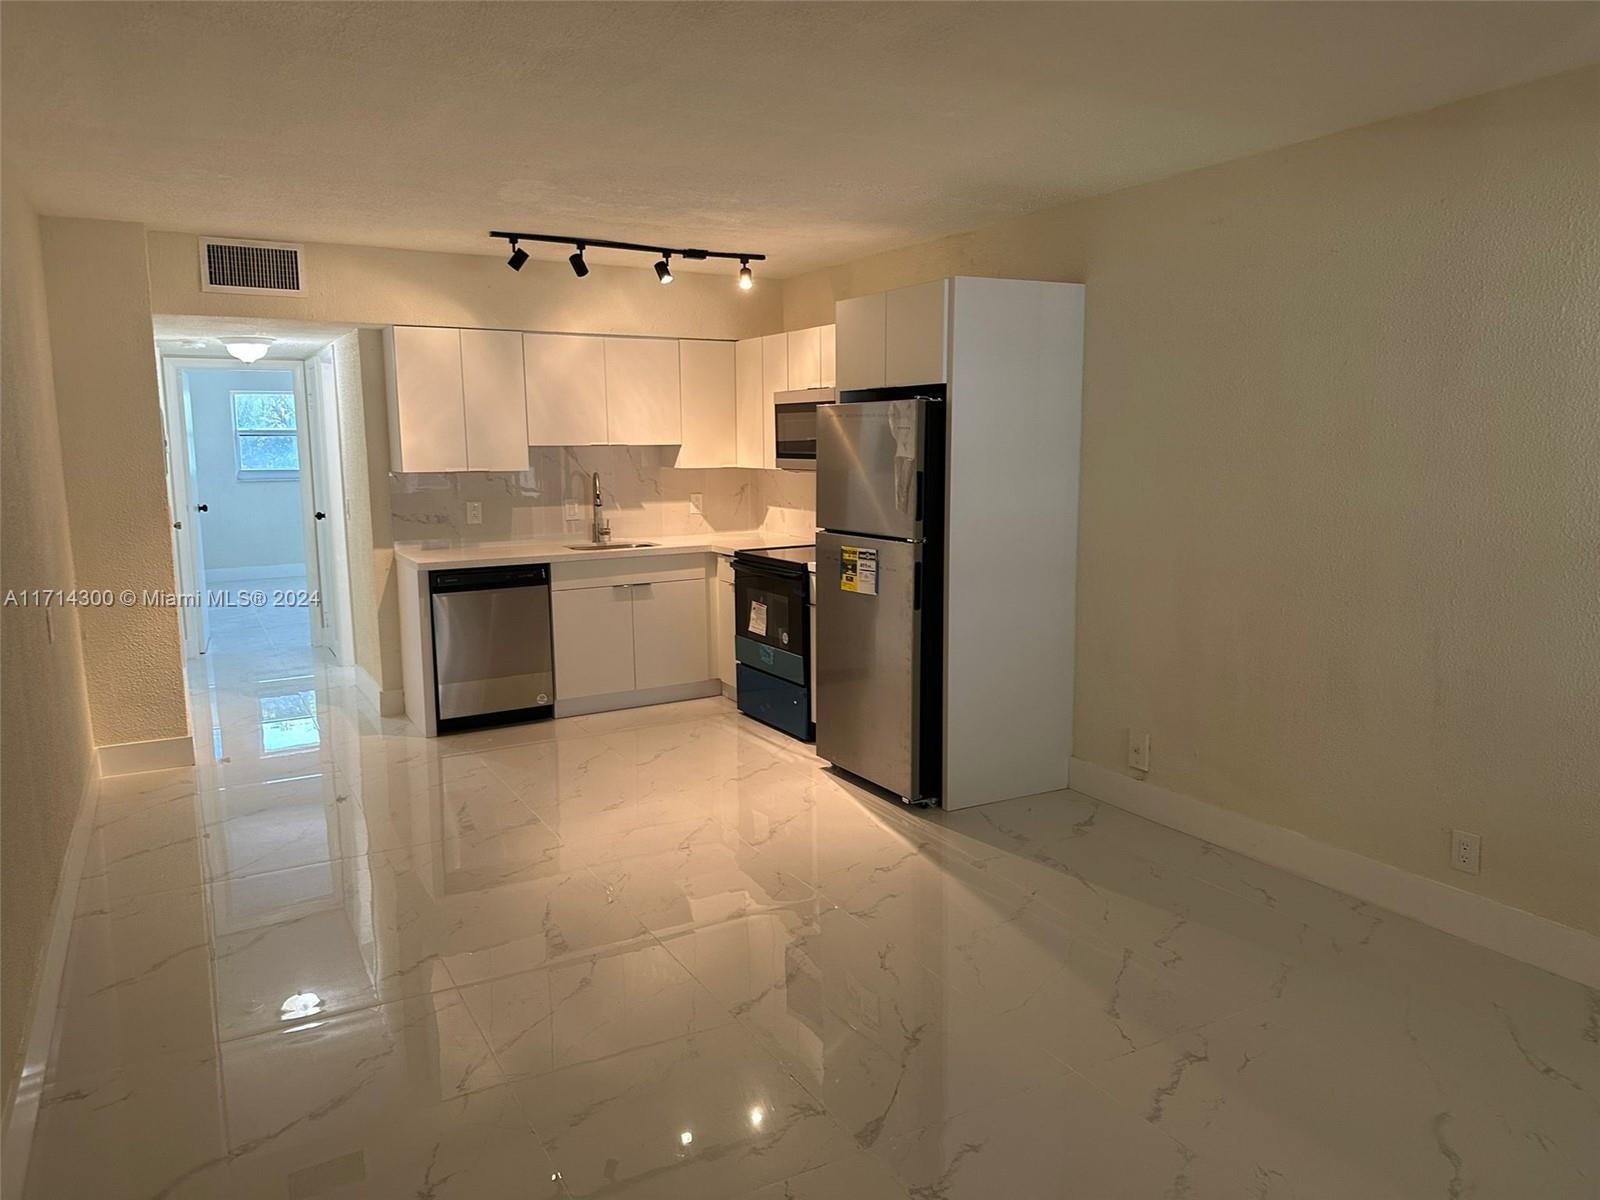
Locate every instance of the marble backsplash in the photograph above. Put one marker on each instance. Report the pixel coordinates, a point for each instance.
(644, 495)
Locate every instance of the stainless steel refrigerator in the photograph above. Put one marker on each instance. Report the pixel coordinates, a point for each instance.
(880, 588)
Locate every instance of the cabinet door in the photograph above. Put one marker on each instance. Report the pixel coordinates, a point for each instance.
(858, 335)
(427, 422)
(914, 338)
(747, 397)
(642, 398)
(722, 632)
(492, 391)
(564, 389)
(707, 383)
(593, 633)
(805, 358)
(826, 373)
(774, 379)
(669, 633)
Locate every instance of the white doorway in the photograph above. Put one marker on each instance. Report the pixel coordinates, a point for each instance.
(251, 507)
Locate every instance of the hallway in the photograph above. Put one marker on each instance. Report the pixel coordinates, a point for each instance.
(662, 953)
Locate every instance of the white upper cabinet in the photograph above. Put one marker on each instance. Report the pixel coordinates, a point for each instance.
(492, 392)
(564, 386)
(774, 379)
(859, 333)
(826, 376)
(706, 374)
(805, 358)
(749, 425)
(642, 394)
(914, 334)
(427, 421)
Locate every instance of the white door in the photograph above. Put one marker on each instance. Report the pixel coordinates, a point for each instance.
(322, 395)
(669, 633)
(858, 341)
(593, 634)
(177, 504)
(494, 399)
(748, 422)
(774, 379)
(191, 509)
(311, 501)
(914, 334)
(642, 393)
(564, 385)
(707, 383)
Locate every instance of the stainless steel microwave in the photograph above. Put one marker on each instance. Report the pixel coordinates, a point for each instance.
(794, 426)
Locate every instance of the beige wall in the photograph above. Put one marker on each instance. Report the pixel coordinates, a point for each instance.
(364, 447)
(1340, 531)
(361, 285)
(110, 417)
(46, 746)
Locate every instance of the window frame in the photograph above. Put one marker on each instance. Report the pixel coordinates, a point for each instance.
(251, 474)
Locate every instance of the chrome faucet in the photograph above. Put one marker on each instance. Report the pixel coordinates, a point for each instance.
(602, 527)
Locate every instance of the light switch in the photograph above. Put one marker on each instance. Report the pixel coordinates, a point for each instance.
(697, 503)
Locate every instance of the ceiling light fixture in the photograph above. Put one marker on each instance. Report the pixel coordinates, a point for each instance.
(248, 349)
(663, 266)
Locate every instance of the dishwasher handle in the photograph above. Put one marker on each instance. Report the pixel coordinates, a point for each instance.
(479, 578)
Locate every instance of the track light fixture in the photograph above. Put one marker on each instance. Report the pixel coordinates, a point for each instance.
(663, 266)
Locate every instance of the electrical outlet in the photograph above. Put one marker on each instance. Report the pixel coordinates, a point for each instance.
(697, 503)
(474, 512)
(1138, 751)
(572, 511)
(1466, 849)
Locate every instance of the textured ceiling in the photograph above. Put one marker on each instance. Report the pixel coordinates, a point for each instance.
(198, 337)
(814, 132)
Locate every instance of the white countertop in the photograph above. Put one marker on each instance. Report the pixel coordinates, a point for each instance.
(428, 557)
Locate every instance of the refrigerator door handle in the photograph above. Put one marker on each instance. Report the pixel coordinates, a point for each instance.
(916, 586)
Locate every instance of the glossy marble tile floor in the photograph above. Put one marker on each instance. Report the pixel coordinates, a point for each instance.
(665, 953)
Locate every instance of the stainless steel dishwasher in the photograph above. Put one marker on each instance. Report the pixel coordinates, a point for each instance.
(493, 663)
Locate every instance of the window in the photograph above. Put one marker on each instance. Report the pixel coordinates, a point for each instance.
(264, 434)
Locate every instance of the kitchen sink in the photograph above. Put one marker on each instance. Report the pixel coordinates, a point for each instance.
(610, 545)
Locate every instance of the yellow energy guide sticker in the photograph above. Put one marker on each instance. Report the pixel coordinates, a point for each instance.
(858, 570)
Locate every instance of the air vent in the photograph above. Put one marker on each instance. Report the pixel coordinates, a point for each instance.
(265, 268)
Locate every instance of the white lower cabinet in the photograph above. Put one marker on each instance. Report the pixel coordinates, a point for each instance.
(593, 633)
(628, 632)
(669, 634)
(722, 623)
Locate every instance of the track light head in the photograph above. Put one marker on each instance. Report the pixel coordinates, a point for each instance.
(746, 280)
(518, 256)
(579, 267)
(664, 268)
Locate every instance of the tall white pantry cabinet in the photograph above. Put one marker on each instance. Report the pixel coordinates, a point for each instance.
(1010, 354)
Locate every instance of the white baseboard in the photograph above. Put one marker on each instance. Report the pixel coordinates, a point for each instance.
(386, 703)
(1514, 932)
(158, 754)
(217, 575)
(616, 700)
(18, 1137)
